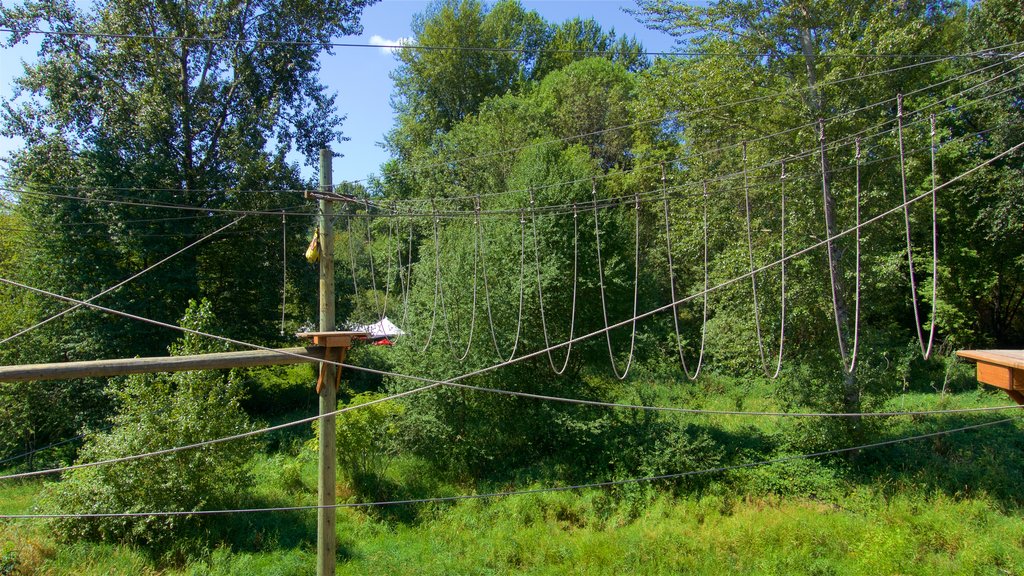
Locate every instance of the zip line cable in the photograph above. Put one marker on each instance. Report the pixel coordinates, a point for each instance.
(672, 285)
(524, 492)
(694, 111)
(803, 154)
(857, 272)
(123, 282)
(811, 151)
(654, 196)
(926, 351)
(600, 281)
(184, 207)
(454, 382)
(540, 289)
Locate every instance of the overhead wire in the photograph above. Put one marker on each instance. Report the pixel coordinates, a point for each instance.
(984, 53)
(521, 492)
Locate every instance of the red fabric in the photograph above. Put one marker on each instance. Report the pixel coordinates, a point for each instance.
(382, 342)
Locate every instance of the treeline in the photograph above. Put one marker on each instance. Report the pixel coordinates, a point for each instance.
(539, 187)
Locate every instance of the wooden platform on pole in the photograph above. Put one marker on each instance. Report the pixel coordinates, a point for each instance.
(1000, 368)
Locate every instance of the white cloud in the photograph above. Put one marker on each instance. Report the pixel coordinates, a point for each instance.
(388, 46)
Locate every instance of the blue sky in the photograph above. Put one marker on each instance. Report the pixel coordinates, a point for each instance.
(360, 75)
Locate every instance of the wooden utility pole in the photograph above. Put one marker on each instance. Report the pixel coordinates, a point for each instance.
(326, 548)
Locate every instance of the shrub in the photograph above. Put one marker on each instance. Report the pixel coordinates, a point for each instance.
(156, 412)
(367, 441)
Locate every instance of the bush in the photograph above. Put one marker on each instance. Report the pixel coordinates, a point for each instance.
(157, 412)
(367, 441)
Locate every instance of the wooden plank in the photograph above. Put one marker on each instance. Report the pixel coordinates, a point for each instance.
(333, 339)
(1008, 358)
(123, 366)
(995, 375)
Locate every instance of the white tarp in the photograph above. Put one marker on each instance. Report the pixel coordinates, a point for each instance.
(383, 329)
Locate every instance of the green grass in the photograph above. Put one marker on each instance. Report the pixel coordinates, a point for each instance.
(947, 505)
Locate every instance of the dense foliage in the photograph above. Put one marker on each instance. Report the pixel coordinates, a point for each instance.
(550, 183)
(156, 412)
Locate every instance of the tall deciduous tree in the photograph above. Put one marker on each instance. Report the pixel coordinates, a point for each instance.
(174, 101)
(499, 49)
(177, 102)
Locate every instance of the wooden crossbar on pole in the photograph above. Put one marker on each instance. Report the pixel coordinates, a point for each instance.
(123, 366)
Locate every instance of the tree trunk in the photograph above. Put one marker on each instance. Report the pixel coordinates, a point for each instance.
(816, 101)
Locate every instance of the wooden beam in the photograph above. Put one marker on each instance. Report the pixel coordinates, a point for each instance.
(123, 366)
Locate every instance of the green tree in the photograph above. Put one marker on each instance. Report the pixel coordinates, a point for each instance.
(478, 434)
(435, 89)
(133, 104)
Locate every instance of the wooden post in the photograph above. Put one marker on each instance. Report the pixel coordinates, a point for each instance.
(326, 549)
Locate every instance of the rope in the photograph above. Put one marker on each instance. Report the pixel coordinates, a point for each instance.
(437, 289)
(753, 277)
(476, 264)
(392, 225)
(351, 256)
(672, 284)
(533, 491)
(636, 285)
(926, 351)
(857, 273)
(284, 267)
(373, 271)
(540, 290)
(832, 264)
(487, 289)
(406, 279)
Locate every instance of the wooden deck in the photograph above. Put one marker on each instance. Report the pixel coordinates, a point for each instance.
(1000, 368)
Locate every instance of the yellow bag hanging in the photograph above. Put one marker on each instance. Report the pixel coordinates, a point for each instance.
(313, 252)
